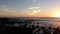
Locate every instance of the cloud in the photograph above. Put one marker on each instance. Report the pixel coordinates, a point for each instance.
(6, 10)
(30, 11)
(34, 10)
(3, 6)
(34, 0)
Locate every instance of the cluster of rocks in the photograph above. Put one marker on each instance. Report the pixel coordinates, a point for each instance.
(25, 27)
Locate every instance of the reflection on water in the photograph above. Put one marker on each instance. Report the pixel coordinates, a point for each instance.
(31, 25)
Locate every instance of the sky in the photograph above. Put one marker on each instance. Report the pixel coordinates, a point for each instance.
(29, 8)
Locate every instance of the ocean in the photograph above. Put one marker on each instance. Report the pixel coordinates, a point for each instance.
(53, 22)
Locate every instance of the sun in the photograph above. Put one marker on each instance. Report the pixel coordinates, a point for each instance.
(57, 14)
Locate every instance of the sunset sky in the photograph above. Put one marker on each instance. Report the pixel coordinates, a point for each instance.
(29, 8)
